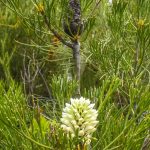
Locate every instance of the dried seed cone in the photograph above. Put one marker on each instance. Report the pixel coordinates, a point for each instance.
(79, 119)
(72, 23)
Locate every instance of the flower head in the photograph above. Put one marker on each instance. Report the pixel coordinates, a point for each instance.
(79, 119)
(40, 7)
(140, 23)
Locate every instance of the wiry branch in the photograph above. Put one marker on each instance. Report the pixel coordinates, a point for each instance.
(55, 32)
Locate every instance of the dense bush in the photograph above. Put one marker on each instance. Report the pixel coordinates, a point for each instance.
(38, 77)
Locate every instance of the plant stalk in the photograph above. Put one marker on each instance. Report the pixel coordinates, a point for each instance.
(77, 60)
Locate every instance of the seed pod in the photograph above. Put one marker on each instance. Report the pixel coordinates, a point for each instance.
(72, 23)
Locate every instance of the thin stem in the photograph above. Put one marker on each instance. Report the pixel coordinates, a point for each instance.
(77, 59)
(81, 146)
(55, 32)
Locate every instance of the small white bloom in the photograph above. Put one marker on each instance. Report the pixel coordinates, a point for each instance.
(72, 135)
(110, 1)
(69, 129)
(88, 141)
(89, 128)
(76, 127)
(64, 127)
(81, 120)
(91, 106)
(68, 105)
(74, 122)
(79, 117)
(81, 133)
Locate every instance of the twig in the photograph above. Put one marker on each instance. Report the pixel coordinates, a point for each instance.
(146, 143)
(55, 32)
(48, 90)
(96, 6)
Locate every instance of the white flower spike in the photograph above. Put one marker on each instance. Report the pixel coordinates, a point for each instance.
(79, 119)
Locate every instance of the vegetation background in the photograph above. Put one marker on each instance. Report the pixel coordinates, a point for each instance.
(36, 77)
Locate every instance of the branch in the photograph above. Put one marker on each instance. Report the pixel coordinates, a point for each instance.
(77, 59)
(55, 32)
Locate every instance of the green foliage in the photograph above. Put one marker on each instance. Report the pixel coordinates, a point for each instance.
(35, 66)
(12, 116)
(22, 127)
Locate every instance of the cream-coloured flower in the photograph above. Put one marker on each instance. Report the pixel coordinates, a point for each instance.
(79, 119)
(110, 1)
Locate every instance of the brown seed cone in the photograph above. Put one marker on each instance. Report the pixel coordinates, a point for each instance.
(72, 23)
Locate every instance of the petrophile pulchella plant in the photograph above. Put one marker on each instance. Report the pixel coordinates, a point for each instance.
(114, 45)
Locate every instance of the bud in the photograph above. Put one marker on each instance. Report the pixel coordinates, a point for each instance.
(40, 7)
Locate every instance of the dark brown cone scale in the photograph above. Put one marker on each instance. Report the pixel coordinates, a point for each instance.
(72, 22)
